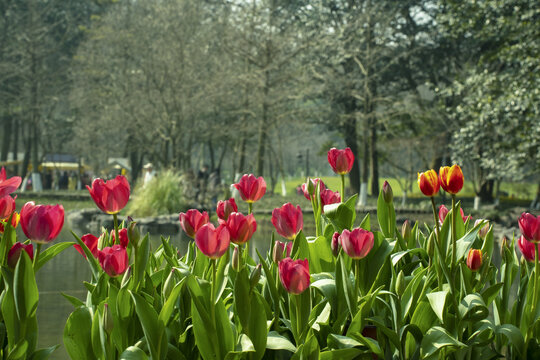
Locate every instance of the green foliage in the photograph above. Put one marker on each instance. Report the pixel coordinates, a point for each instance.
(162, 195)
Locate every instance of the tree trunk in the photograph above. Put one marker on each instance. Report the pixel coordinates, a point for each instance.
(16, 135)
(350, 137)
(6, 138)
(486, 191)
(263, 125)
(374, 159)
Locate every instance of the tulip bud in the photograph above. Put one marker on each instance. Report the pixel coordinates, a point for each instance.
(388, 194)
(504, 245)
(431, 245)
(170, 282)
(474, 259)
(15, 253)
(335, 245)
(133, 234)
(108, 322)
(310, 187)
(406, 230)
(484, 230)
(235, 259)
(255, 276)
(400, 283)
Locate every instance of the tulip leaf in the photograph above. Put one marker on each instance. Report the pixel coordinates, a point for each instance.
(465, 243)
(154, 331)
(472, 308)
(300, 248)
(243, 347)
(222, 275)
(327, 287)
(141, 260)
(342, 215)
(8, 239)
(320, 255)
(133, 353)
(437, 300)
(436, 339)
(77, 334)
(514, 336)
(73, 300)
(168, 308)
(9, 313)
(51, 252)
(257, 330)
(207, 345)
(491, 293)
(411, 294)
(366, 222)
(269, 279)
(336, 341)
(274, 341)
(386, 215)
(25, 291)
(43, 354)
(344, 287)
(92, 261)
(19, 351)
(242, 301)
(341, 354)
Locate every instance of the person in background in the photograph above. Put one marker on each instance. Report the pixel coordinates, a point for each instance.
(149, 173)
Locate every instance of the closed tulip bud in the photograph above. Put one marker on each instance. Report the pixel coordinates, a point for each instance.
(42, 223)
(225, 208)
(133, 234)
(484, 230)
(91, 243)
(335, 244)
(504, 245)
(357, 243)
(211, 241)
(123, 235)
(108, 321)
(281, 250)
(406, 230)
(527, 248)
(388, 194)
(114, 260)
(428, 183)
(255, 276)
(310, 187)
(474, 259)
(288, 220)
(192, 220)
(400, 283)
(294, 275)
(14, 253)
(341, 161)
(451, 178)
(235, 262)
(241, 228)
(530, 227)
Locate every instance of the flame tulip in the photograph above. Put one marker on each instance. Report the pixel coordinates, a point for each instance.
(428, 182)
(213, 242)
(192, 220)
(42, 223)
(7, 186)
(251, 188)
(530, 227)
(314, 183)
(474, 259)
(91, 243)
(241, 228)
(15, 253)
(329, 197)
(443, 211)
(14, 221)
(281, 250)
(288, 220)
(357, 243)
(110, 196)
(294, 275)
(114, 260)
(123, 235)
(225, 208)
(527, 248)
(451, 179)
(7, 206)
(341, 161)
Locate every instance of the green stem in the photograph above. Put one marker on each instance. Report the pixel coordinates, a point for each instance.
(535, 298)
(115, 219)
(437, 236)
(213, 291)
(342, 187)
(298, 319)
(315, 210)
(250, 208)
(357, 290)
(453, 264)
(276, 305)
(246, 254)
(36, 258)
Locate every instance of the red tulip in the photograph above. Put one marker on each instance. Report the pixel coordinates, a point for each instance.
(7, 206)
(335, 245)
(294, 275)
(114, 260)
(474, 259)
(357, 243)
(288, 220)
(123, 235)
(279, 249)
(14, 222)
(225, 208)
(42, 223)
(314, 182)
(241, 228)
(15, 253)
(451, 178)
(192, 220)
(530, 227)
(91, 243)
(213, 242)
(329, 197)
(251, 188)
(428, 182)
(527, 248)
(443, 211)
(341, 161)
(110, 196)
(7, 186)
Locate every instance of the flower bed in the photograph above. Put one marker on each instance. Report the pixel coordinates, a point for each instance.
(344, 292)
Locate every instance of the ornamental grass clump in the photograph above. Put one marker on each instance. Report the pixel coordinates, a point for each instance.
(350, 291)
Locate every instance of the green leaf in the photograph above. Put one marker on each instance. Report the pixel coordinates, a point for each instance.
(43, 354)
(342, 215)
(257, 326)
(274, 341)
(436, 339)
(8, 239)
(321, 258)
(386, 215)
(327, 287)
(366, 223)
(19, 351)
(243, 347)
(514, 336)
(437, 300)
(269, 279)
(344, 286)
(341, 354)
(92, 261)
(341, 342)
(472, 308)
(133, 353)
(465, 243)
(141, 260)
(242, 301)
(77, 334)
(51, 252)
(300, 249)
(25, 291)
(73, 300)
(154, 331)
(491, 293)
(222, 275)
(168, 307)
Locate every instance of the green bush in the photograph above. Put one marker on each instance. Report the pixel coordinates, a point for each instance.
(162, 195)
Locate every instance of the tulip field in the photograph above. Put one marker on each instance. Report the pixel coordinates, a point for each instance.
(341, 292)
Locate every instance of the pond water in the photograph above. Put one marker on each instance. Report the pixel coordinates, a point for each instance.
(66, 272)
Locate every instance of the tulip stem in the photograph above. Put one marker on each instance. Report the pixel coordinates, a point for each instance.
(315, 207)
(535, 299)
(276, 305)
(298, 319)
(36, 258)
(437, 236)
(250, 208)
(356, 283)
(342, 187)
(213, 290)
(452, 267)
(116, 237)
